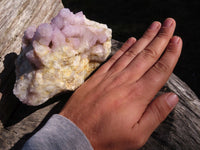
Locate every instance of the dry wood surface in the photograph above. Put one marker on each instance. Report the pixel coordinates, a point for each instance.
(181, 130)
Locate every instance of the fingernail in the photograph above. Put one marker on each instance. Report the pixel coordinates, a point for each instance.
(172, 100)
(175, 39)
(167, 23)
(154, 25)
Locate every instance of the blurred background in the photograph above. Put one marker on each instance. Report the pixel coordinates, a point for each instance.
(129, 18)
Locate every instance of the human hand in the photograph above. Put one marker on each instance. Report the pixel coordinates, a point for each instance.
(114, 107)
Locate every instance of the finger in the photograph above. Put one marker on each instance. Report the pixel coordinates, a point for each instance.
(157, 76)
(129, 55)
(117, 55)
(156, 113)
(153, 51)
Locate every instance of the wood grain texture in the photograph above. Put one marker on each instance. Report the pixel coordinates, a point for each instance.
(181, 130)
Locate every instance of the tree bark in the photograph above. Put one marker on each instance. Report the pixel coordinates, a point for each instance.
(181, 129)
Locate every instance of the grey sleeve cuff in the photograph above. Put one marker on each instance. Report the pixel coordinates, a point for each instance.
(59, 133)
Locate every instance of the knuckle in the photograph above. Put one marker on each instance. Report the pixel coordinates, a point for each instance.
(149, 52)
(164, 34)
(159, 113)
(119, 79)
(172, 48)
(114, 69)
(115, 82)
(130, 53)
(113, 59)
(138, 90)
(148, 35)
(139, 141)
(160, 67)
(124, 47)
(139, 138)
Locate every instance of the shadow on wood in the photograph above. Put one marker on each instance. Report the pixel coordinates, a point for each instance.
(56, 109)
(12, 110)
(8, 102)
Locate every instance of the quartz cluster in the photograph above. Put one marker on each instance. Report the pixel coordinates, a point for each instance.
(59, 55)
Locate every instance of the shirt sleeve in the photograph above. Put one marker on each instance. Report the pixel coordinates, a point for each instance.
(59, 133)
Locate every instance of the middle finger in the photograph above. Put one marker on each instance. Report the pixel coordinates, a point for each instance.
(152, 52)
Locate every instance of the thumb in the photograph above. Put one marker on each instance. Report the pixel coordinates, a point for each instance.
(156, 112)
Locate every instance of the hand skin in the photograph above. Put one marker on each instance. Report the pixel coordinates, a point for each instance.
(115, 107)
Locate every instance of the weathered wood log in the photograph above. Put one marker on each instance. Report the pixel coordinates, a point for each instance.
(181, 130)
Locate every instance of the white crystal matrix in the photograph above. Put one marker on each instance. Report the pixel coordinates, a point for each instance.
(58, 56)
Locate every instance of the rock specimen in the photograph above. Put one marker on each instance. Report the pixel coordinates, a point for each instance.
(58, 56)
